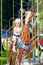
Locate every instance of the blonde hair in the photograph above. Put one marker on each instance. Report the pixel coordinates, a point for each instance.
(14, 24)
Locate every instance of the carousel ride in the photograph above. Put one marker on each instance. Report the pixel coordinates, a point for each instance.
(25, 44)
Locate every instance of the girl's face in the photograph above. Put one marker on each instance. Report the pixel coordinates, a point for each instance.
(18, 24)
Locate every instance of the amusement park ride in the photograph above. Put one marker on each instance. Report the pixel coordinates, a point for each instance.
(33, 42)
(26, 44)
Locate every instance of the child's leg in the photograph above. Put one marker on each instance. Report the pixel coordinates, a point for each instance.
(14, 45)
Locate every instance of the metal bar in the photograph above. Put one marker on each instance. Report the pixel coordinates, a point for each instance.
(10, 28)
(32, 21)
(7, 46)
(10, 20)
(21, 14)
(37, 16)
(13, 9)
(1, 32)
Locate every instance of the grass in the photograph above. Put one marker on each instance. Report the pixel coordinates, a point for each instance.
(3, 60)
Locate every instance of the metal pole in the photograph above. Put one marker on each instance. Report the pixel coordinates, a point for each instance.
(7, 46)
(37, 48)
(9, 21)
(37, 17)
(37, 6)
(32, 21)
(32, 29)
(1, 31)
(13, 10)
(21, 14)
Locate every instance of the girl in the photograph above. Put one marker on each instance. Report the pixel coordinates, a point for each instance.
(16, 33)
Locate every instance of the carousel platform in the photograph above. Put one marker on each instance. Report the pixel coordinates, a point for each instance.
(33, 62)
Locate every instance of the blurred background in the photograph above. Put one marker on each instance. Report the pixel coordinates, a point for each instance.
(10, 9)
